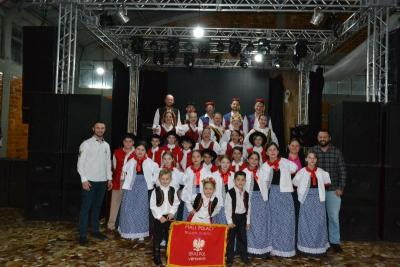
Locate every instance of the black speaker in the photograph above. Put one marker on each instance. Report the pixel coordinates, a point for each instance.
(39, 63)
(359, 222)
(44, 201)
(356, 129)
(394, 69)
(45, 167)
(391, 230)
(17, 183)
(46, 127)
(391, 117)
(71, 201)
(70, 171)
(4, 178)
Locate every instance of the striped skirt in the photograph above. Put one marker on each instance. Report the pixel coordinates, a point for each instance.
(312, 228)
(283, 225)
(257, 235)
(134, 213)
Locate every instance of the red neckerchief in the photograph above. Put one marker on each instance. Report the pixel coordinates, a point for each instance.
(313, 176)
(225, 176)
(275, 164)
(197, 174)
(254, 173)
(139, 163)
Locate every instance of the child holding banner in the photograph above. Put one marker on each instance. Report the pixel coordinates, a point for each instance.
(164, 203)
(237, 212)
(206, 204)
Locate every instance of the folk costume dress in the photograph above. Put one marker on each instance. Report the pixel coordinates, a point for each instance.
(312, 227)
(224, 182)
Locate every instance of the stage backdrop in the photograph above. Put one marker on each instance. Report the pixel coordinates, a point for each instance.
(220, 85)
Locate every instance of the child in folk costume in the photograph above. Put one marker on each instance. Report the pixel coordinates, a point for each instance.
(173, 147)
(190, 128)
(262, 128)
(167, 125)
(139, 181)
(237, 213)
(207, 118)
(164, 203)
(168, 163)
(209, 157)
(235, 125)
(205, 205)
(280, 203)
(237, 163)
(258, 141)
(206, 142)
(217, 127)
(312, 228)
(235, 110)
(193, 176)
(256, 185)
(187, 145)
(235, 141)
(120, 157)
(155, 151)
(259, 109)
(224, 181)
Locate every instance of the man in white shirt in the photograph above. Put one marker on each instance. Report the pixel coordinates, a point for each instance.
(94, 167)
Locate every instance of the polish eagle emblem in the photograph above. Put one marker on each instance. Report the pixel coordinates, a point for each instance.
(198, 244)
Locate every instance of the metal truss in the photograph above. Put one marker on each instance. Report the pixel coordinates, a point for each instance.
(302, 114)
(377, 55)
(336, 6)
(66, 49)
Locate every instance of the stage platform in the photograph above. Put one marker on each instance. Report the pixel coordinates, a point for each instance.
(38, 243)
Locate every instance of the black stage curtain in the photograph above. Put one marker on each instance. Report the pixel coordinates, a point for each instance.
(275, 109)
(315, 102)
(120, 98)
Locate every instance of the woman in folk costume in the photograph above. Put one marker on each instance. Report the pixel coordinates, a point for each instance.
(236, 140)
(205, 205)
(139, 181)
(217, 127)
(224, 181)
(235, 125)
(280, 203)
(207, 142)
(193, 176)
(120, 157)
(190, 128)
(312, 228)
(259, 109)
(237, 163)
(167, 125)
(208, 117)
(262, 128)
(258, 142)
(256, 185)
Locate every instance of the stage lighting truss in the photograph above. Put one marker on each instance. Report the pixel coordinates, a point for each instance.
(337, 6)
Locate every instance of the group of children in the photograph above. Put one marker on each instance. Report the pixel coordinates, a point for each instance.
(222, 176)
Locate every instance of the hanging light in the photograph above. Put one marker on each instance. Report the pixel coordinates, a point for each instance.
(122, 16)
(317, 16)
(276, 63)
(258, 58)
(198, 32)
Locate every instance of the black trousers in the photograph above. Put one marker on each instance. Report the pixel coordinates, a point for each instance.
(160, 232)
(239, 233)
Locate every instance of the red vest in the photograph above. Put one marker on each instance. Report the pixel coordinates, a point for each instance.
(163, 132)
(211, 146)
(119, 155)
(194, 135)
(156, 157)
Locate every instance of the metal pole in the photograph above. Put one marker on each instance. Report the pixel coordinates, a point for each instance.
(58, 49)
(387, 56)
(373, 57)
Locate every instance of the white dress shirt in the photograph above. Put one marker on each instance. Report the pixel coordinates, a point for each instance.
(203, 216)
(94, 161)
(166, 207)
(240, 207)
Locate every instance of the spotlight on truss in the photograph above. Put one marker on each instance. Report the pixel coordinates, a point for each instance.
(234, 47)
(317, 17)
(122, 16)
(244, 61)
(188, 60)
(220, 46)
(264, 46)
(276, 63)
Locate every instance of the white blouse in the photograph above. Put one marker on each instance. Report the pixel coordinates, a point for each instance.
(303, 179)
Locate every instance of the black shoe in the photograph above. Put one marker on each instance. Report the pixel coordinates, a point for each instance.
(336, 248)
(99, 236)
(83, 240)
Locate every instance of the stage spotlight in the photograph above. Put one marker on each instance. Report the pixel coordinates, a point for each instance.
(198, 32)
(258, 58)
(264, 46)
(100, 71)
(188, 60)
(276, 63)
(220, 46)
(235, 47)
(173, 48)
(317, 16)
(295, 60)
(300, 48)
(189, 47)
(154, 45)
(122, 16)
(158, 58)
(204, 48)
(218, 59)
(249, 47)
(137, 45)
(244, 61)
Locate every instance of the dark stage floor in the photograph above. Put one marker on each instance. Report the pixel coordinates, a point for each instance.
(35, 243)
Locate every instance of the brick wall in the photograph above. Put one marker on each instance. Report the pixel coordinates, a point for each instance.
(17, 145)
